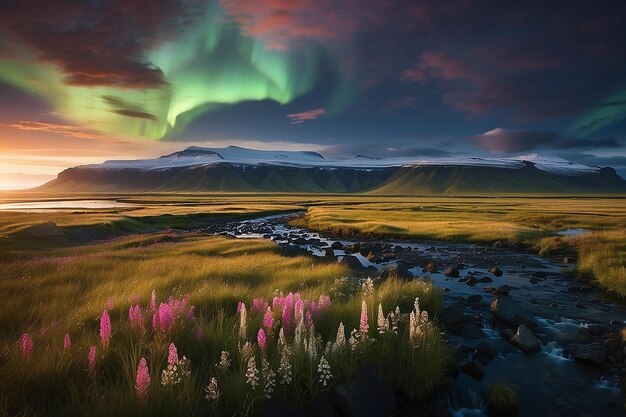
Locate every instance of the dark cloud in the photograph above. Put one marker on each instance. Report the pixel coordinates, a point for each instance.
(97, 43)
(510, 141)
(126, 108)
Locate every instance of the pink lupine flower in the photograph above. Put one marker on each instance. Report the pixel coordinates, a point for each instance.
(268, 320)
(135, 315)
(109, 303)
(153, 301)
(313, 308)
(258, 305)
(261, 339)
(298, 310)
(323, 303)
(142, 382)
(308, 320)
(163, 319)
(364, 326)
(105, 328)
(287, 319)
(27, 345)
(67, 342)
(91, 357)
(278, 302)
(172, 357)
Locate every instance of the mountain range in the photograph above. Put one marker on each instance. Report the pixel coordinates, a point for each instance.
(236, 169)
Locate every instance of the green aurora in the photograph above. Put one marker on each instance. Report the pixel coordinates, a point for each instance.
(211, 65)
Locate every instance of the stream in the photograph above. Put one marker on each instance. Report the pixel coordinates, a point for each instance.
(577, 370)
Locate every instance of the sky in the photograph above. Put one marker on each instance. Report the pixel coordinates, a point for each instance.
(86, 81)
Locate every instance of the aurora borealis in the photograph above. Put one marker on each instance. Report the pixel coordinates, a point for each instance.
(122, 78)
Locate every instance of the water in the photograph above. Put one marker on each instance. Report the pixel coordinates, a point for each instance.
(44, 206)
(573, 232)
(548, 382)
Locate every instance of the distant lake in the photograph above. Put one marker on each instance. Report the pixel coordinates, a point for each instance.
(39, 206)
(573, 232)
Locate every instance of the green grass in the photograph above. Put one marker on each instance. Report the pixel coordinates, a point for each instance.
(50, 292)
(501, 400)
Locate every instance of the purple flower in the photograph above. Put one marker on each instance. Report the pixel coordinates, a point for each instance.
(172, 357)
(258, 305)
(109, 303)
(27, 345)
(91, 357)
(163, 318)
(136, 317)
(67, 342)
(308, 320)
(268, 320)
(261, 339)
(105, 328)
(142, 382)
(287, 319)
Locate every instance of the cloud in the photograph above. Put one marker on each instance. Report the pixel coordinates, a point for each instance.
(126, 108)
(402, 102)
(510, 141)
(382, 151)
(306, 115)
(61, 129)
(97, 43)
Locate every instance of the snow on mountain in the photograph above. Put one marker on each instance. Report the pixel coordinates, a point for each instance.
(235, 155)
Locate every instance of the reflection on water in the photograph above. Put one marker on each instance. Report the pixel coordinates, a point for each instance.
(573, 232)
(39, 206)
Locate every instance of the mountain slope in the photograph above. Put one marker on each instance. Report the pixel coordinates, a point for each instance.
(235, 169)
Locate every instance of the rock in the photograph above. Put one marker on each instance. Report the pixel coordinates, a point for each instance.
(472, 330)
(591, 354)
(489, 289)
(553, 305)
(513, 244)
(486, 349)
(474, 299)
(497, 245)
(485, 280)
(437, 409)
(399, 269)
(430, 267)
(470, 281)
(300, 241)
(453, 314)
(503, 290)
(504, 308)
(365, 249)
(337, 245)
(525, 340)
(496, 271)
(507, 334)
(329, 253)
(367, 395)
(460, 265)
(47, 229)
(474, 369)
(451, 272)
(351, 262)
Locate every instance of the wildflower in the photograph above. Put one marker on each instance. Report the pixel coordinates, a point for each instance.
(268, 320)
(285, 368)
(258, 305)
(246, 350)
(324, 303)
(252, 373)
(394, 318)
(381, 322)
(172, 357)
(261, 339)
(105, 328)
(282, 341)
(353, 340)
(312, 344)
(242, 321)
(363, 326)
(212, 391)
(67, 342)
(135, 315)
(278, 302)
(367, 287)
(308, 320)
(91, 357)
(142, 382)
(109, 304)
(340, 342)
(298, 311)
(323, 369)
(153, 301)
(298, 336)
(287, 318)
(163, 318)
(312, 309)
(224, 362)
(269, 377)
(27, 345)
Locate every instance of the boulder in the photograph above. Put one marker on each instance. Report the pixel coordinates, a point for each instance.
(453, 314)
(351, 262)
(497, 245)
(505, 309)
(525, 340)
(473, 368)
(591, 354)
(329, 253)
(472, 330)
(470, 281)
(430, 267)
(496, 271)
(367, 395)
(337, 245)
(451, 272)
(47, 229)
(503, 290)
(399, 269)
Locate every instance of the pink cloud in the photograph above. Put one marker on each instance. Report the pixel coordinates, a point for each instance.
(306, 115)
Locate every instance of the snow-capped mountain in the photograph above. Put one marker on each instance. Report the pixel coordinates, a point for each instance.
(239, 169)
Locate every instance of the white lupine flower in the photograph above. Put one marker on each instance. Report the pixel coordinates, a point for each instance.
(394, 319)
(175, 372)
(285, 368)
(282, 341)
(224, 361)
(269, 377)
(246, 350)
(367, 287)
(242, 322)
(340, 341)
(323, 369)
(382, 324)
(252, 373)
(312, 345)
(212, 391)
(354, 339)
(298, 335)
(416, 306)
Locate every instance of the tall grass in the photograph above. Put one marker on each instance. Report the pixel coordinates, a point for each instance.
(66, 290)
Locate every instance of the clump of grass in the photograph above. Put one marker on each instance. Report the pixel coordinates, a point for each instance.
(602, 255)
(501, 400)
